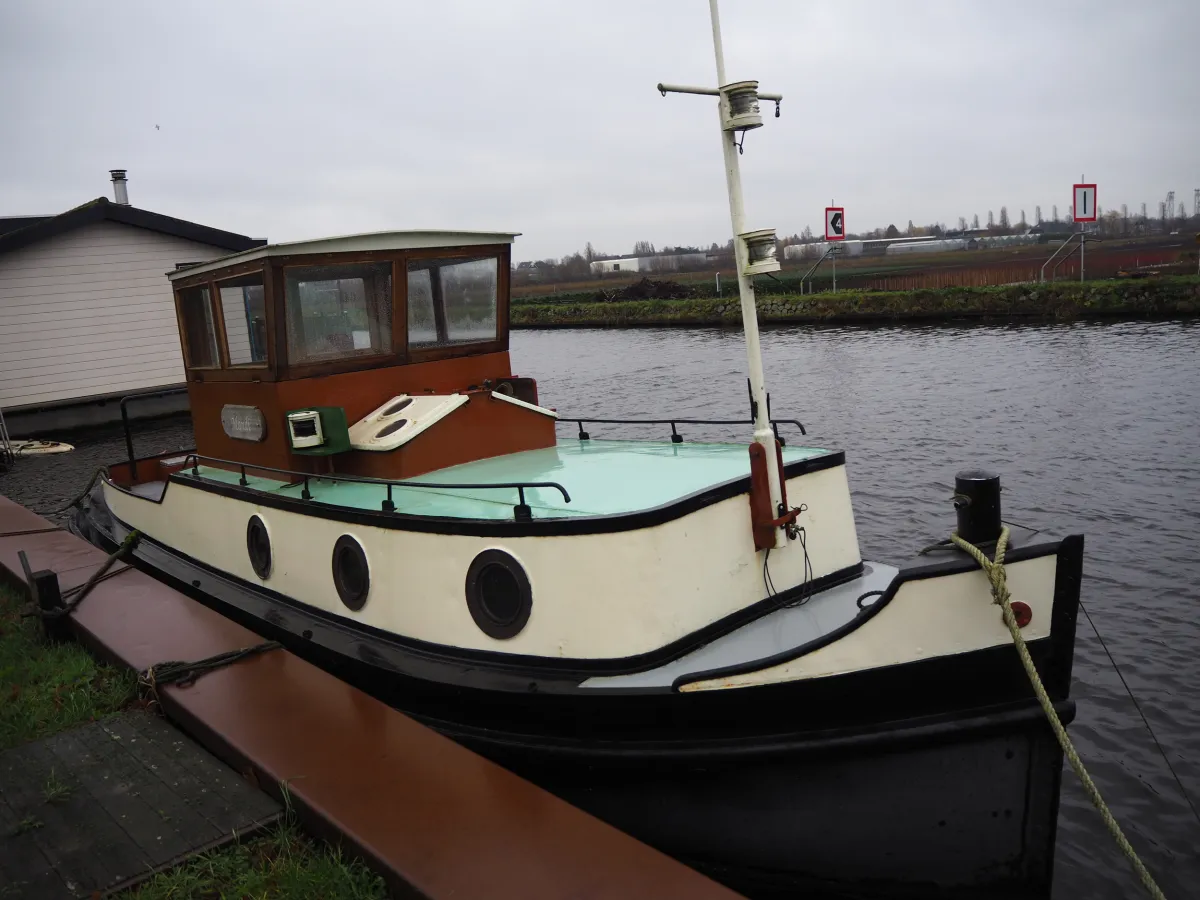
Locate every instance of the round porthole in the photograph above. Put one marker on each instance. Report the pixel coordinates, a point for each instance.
(258, 547)
(351, 576)
(498, 594)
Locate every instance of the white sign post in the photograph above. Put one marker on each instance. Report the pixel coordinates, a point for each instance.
(1085, 211)
(835, 230)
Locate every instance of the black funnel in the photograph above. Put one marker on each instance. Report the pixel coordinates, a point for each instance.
(977, 502)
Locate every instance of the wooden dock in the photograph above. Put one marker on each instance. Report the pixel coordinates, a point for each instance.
(103, 807)
(433, 818)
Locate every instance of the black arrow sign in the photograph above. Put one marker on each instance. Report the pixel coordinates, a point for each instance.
(836, 223)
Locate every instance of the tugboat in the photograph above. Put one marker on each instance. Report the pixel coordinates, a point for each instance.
(681, 638)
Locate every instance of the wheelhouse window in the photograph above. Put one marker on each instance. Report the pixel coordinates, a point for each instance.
(199, 328)
(452, 301)
(244, 308)
(338, 312)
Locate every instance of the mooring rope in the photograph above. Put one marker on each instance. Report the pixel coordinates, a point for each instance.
(103, 470)
(72, 597)
(183, 674)
(994, 569)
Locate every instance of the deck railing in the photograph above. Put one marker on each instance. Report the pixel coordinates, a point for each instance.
(521, 511)
(676, 437)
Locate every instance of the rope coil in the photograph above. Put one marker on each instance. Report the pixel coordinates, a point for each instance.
(184, 674)
(994, 569)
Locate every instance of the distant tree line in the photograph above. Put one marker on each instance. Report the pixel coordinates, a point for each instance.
(1110, 223)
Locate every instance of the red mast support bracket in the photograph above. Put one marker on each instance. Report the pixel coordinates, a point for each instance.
(763, 520)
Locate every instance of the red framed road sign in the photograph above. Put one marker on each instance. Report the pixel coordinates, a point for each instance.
(1085, 202)
(835, 223)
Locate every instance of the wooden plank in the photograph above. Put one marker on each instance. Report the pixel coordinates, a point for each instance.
(82, 842)
(59, 551)
(24, 870)
(211, 790)
(137, 797)
(153, 818)
(16, 519)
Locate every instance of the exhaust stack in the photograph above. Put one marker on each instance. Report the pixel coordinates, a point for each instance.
(120, 189)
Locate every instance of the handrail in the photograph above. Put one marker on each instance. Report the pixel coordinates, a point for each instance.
(7, 456)
(804, 277)
(676, 437)
(521, 511)
(1063, 246)
(144, 395)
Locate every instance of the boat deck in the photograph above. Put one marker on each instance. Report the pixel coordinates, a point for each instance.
(604, 478)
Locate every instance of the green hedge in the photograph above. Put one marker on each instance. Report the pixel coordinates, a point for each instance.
(1142, 298)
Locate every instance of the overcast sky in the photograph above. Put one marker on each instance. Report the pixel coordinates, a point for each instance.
(295, 119)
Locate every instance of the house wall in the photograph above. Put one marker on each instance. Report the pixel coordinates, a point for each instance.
(90, 312)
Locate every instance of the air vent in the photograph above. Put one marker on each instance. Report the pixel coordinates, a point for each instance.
(392, 428)
(401, 419)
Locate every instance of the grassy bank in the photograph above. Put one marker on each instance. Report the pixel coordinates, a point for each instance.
(47, 688)
(1143, 298)
(283, 864)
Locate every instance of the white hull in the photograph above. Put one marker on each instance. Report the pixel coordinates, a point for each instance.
(595, 596)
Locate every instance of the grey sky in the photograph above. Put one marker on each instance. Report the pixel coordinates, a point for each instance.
(291, 120)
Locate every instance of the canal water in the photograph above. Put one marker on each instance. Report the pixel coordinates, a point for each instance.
(1093, 427)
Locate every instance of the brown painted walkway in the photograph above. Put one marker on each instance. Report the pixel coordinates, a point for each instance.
(430, 815)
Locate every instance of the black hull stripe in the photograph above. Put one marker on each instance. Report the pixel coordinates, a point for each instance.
(568, 525)
(886, 737)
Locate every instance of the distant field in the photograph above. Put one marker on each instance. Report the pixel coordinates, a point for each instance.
(1175, 254)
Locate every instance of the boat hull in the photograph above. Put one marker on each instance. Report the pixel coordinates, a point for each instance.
(939, 774)
(967, 809)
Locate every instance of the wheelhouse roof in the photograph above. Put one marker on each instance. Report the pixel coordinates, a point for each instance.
(353, 243)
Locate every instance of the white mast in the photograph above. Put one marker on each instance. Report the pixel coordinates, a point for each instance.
(754, 252)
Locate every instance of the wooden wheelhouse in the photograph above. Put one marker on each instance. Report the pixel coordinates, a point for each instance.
(380, 355)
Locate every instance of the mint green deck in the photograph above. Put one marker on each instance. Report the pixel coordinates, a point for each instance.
(604, 478)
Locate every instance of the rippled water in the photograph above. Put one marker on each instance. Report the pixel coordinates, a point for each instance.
(1093, 428)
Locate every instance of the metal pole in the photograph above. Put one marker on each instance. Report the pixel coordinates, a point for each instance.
(834, 252)
(758, 389)
(1082, 231)
(1082, 246)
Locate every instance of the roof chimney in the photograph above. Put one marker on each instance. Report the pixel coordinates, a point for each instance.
(120, 194)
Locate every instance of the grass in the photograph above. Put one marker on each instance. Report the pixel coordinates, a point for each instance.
(283, 863)
(47, 688)
(1158, 297)
(29, 823)
(54, 790)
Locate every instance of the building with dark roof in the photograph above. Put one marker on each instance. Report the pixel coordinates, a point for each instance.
(86, 311)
